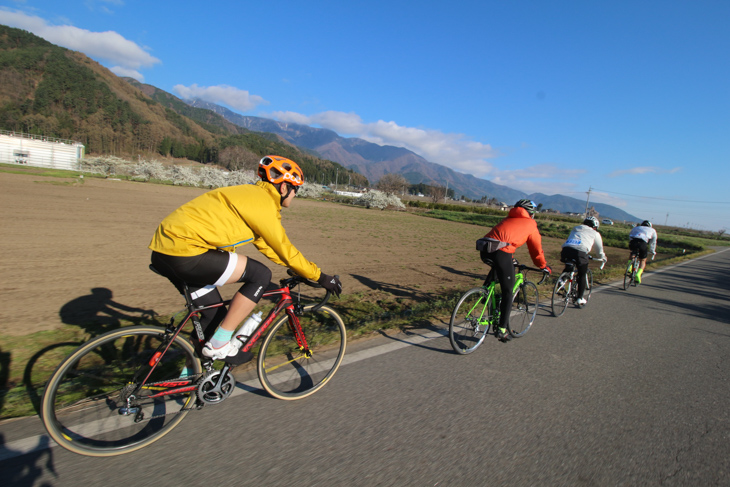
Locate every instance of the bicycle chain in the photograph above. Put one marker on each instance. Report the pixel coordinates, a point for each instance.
(197, 406)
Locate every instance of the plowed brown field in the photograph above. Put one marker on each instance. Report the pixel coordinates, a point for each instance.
(76, 253)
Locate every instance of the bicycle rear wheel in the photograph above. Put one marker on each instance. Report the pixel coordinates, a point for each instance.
(561, 294)
(470, 320)
(524, 309)
(629, 275)
(289, 371)
(84, 400)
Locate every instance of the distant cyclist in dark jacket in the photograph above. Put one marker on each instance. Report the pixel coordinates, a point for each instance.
(498, 251)
(642, 240)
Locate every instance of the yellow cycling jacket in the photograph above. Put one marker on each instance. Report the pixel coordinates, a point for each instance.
(226, 218)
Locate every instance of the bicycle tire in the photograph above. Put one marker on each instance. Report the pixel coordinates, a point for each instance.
(589, 289)
(471, 320)
(285, 370)
(561, 295)
(81, 403)
(629, 275)
(524, 309)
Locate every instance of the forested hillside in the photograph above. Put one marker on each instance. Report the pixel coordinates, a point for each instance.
(51, 91)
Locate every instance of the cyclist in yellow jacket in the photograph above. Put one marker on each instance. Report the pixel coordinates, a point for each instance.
(196, 243)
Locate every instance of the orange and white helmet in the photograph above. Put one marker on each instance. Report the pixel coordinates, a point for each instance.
(277, 169)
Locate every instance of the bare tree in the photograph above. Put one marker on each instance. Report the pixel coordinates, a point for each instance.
(236, 157)
(438, 193)
(392, 184)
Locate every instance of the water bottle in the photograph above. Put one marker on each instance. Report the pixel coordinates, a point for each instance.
(246, 329)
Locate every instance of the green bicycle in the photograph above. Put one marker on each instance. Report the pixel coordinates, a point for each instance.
(632, 268)
(476, 314)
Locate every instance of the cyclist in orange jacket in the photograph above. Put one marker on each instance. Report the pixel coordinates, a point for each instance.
(498, 249)
(196, 243)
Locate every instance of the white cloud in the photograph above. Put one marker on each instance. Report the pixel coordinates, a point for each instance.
(130, 73)
(541, 178)
(644, 170)
(456, 151)
(531, 186)
(600, 197)
(549, 172)
(228, 95)
(106, 46)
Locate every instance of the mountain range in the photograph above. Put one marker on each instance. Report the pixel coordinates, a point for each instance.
(52, 91)
(373, 161)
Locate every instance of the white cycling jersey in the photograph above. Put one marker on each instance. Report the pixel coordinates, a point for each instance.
(584, 238)
(647, 234)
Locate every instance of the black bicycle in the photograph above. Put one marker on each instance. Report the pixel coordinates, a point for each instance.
(127, 388)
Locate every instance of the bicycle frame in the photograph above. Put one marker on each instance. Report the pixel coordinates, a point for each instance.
(491, 292)
(632, 267)
(285, 302)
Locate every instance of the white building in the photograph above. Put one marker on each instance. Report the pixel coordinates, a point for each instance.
(36, 150)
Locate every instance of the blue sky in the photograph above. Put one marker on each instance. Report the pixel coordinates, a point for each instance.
(630, 99)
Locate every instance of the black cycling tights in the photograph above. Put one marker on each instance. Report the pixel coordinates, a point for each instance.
(504, 269)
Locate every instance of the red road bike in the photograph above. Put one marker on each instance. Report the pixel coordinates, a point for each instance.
(127, 388)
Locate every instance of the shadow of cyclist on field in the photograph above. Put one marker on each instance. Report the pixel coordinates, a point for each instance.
(470, 275)
(98, 313)
(397, 291)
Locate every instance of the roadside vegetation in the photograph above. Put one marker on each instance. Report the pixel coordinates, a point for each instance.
(27, 361)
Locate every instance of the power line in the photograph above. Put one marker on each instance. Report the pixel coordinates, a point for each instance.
(664, 199)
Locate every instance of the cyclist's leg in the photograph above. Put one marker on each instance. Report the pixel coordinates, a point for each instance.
(582, 271)
(643, 251)
(504, 272)
(506, 276)
(635, 247)
(255, 278)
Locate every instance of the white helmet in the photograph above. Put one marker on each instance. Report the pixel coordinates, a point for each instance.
(591, 221)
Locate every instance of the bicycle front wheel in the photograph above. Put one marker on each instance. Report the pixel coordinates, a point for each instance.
(470, 320)
(561, 294)
(524, 309)
(104, 399)
(291, 369)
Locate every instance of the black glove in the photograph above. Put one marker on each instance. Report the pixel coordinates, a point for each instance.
(330, 283)
(547, 270)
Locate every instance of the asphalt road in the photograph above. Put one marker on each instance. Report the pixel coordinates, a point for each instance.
(632, 390)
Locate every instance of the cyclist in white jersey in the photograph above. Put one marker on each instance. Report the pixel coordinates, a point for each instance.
(581, 240)
(642, 240)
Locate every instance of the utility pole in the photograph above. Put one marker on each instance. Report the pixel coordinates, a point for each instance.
(666, 220)
(337, 176)
(446, 195)
(585, 215)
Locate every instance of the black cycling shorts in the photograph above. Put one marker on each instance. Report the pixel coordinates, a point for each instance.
(639, 246)
(571, 253)
(205, 271)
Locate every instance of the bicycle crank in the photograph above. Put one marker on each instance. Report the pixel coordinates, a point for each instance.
(215, 386)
